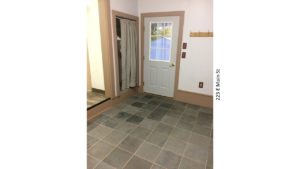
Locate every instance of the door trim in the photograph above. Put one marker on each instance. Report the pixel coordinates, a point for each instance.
(106, 46)
(180, 14)
(116, 14)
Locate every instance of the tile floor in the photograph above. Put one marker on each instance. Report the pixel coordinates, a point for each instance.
(151, 132)
(94, 98)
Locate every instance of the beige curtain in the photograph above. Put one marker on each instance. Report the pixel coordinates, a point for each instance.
(129, 53)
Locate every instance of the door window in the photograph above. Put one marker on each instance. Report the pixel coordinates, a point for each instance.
(160, 41)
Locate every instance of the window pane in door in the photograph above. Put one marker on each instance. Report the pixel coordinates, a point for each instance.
(161, 41)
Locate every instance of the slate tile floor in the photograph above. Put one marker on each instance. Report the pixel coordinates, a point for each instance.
(151, 132)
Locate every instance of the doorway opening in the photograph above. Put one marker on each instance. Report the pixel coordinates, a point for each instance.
(126, 37)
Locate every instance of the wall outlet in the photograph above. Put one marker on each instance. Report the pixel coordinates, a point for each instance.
(200, 84)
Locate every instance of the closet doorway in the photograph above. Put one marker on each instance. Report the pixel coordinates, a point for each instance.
(126, 52)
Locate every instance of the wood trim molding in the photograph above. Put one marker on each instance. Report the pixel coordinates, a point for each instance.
(89, 79)
(201, 34)
(180, 14)
(132, 17)
(194, 98)
(106, 45)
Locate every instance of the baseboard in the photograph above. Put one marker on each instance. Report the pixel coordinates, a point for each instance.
(194, 98)
(97, 110)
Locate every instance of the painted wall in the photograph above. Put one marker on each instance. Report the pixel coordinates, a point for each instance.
(94, 45)
(125, 6)
(198, 64)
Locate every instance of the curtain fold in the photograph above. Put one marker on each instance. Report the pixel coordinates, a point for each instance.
(129, 53)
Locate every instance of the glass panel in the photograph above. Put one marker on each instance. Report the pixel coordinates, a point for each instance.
(161, 41)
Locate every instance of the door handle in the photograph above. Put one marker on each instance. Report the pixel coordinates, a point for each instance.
(172, 65)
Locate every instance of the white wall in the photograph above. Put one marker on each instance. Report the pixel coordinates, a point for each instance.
(198, 64)
(128, 7)
(94, 45)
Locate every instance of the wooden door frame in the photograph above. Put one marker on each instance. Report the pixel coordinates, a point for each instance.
(116, 14)
(180, 14)
(106, 47)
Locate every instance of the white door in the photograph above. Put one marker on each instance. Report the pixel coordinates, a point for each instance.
(160, 40)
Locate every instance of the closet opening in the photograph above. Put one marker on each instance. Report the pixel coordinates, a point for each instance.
(126, 52)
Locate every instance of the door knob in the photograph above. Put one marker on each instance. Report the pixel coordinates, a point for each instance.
(172, 65)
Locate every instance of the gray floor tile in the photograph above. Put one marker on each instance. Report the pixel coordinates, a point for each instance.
(100, 131)
(112, 122)
(102, 118)
(165, 105)
(137, 104)
(149, 124)
(157, 167)
(205, 116)
(202, 130)
(168, 100)
(91, 140)
(173, 113)
(168, 159)
(203, 123)
(122, 115)
(175, 145)
(140, 132)
(91, 162)
(192, 107)
(100, 150)
(148, 151)
(148, 96)
(135, 119)
(194, 114)
(157, 139)
(149, 107)
(117, 158)
(130, 143)
(138, 163)
(171, 121)
(187, 125)
(181, 134)
(157, 114)
(142, 113)
(130, 109)
(209, 162)
(91, 126)
(163, 129)
(104, 165)
(206, 110)
(154, 102)
(188, 118)
(115, 137)
(190, 164)
(199, 139)
(184, 125)
(126, 127)
(197, 153)
(111, 112)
